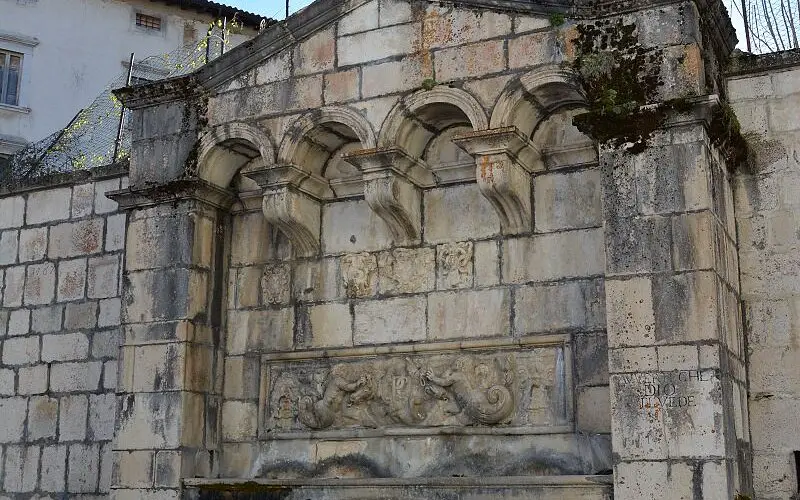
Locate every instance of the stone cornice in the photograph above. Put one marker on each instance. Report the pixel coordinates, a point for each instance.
(184, 189)
(743, 63)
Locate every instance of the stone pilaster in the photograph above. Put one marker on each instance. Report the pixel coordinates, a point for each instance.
(170, 370)
(675, 338)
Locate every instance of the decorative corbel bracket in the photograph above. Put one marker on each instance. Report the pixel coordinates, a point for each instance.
(291, 203)
(504, 160)
(392, 182)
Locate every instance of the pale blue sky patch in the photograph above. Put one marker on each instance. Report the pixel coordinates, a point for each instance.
(267, 8)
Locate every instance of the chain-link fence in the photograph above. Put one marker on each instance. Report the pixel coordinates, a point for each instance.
(91, 138)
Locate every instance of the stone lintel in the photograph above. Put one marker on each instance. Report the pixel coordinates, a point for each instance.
(297, 215)
(504, 161)
(184, 189)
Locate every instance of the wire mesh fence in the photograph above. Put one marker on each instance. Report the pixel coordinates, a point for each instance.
(90, 139)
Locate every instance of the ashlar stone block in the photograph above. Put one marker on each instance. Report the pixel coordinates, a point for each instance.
(19, 322)
(21, 351)
(49, 205)
(73, 412)
(331, 325)
(400, 319)
(458, 213)
(32, 379)
(567, 201)
(12, 212)
(54, 468)
(72, 239)
(21, 469)
(406, 270)
(32, 244)
(82, 200)
(14, 412)
(577, 305)
(377, 44)
(14, 288)
(465, 314)
(102, 277)
(40, 283)
(68, 377)
(84, 468)
(473, 60)
(71, 279)
(352, 226)
(42, 417)
(65, 347)
(102, 203)
(250, 331)
(630, 312)
(315, 54)
(554, 256)
(9, 242)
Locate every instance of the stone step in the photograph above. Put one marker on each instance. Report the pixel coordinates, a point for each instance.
(429, 488)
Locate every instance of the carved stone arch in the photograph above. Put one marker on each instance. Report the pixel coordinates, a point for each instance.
(299, 130)
(525, 102)
(223, 151)
(407, 123)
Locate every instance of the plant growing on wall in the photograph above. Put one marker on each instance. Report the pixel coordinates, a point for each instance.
(621, 80)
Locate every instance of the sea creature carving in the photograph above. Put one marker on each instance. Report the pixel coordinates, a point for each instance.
(411, 391)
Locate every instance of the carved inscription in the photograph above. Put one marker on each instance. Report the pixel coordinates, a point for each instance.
(522, 387)
(662, 391)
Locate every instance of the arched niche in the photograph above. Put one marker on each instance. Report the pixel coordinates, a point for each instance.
(534, 96)
(424, 123)
(316, 143)
(541, 105)
(310, 169)
(229, 148)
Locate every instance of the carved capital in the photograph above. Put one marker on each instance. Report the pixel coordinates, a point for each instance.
(392, 180)
(504, 160)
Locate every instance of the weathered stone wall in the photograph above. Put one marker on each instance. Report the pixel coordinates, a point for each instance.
(463, 275)
(765, 93)
(61, 257)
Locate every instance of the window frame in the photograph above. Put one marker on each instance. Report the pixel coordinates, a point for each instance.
(6, 55)
(145, 26)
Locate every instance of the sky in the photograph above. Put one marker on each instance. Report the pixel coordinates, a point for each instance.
(267, 8)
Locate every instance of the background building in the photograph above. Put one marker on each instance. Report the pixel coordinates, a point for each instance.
(56, 56)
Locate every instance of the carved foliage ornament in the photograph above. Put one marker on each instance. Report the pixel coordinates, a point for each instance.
(455, 264)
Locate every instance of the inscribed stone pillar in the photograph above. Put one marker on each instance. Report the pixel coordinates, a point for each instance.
(678, 397)
(170, 367)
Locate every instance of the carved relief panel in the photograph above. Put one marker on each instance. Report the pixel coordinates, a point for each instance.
(504, 386)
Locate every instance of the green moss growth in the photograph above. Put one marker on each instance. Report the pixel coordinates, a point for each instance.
(429, 83)
(620, 78)
(557, 19)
